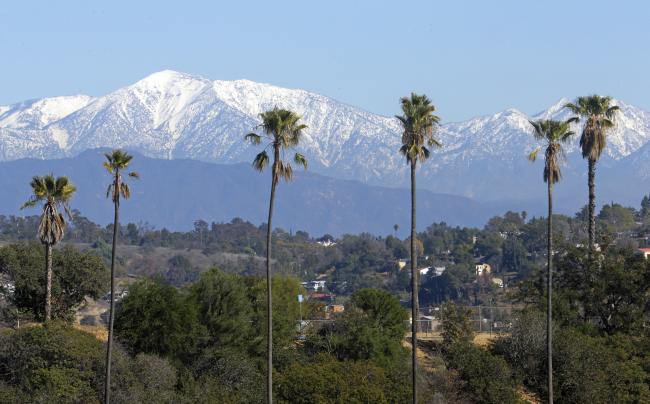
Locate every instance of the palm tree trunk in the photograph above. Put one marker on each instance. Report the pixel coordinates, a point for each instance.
(414, 290)
(549, 279)
(48, 285)
(269, 300)
(592, 204)
(111, 315)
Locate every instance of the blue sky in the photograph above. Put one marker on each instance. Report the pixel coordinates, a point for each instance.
(470, 57)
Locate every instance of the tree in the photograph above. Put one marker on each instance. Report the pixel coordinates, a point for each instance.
(599, 115)
(56, 193)
(282, 131)
(456, 327)
(553, 134)
(223, 307)
(116, 161)
(156, 318)
(418, 124)
(76, 275)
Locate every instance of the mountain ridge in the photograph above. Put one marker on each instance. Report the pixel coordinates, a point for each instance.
(175, 115)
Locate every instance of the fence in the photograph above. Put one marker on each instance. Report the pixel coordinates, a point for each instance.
(489, 319)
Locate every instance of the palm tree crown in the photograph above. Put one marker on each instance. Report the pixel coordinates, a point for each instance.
(283, 132)
(419, 125)
(117, 161)
(553, 134)
(56, 193)
(599, 114)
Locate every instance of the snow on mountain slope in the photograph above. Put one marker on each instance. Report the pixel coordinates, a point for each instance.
(175, 115)
(36, 114)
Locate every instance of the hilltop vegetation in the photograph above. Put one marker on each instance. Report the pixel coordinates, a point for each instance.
(194, 335)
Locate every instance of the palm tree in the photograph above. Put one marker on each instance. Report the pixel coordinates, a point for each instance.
(281, 132)
(56, 193)
(419, 124)
(553, 134)
(599, 115)
(116, 161)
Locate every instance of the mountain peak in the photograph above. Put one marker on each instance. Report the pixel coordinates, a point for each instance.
(169, 80)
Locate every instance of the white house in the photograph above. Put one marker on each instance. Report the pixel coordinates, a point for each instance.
(483, 269)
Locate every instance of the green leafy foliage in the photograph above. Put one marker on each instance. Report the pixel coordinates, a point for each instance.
(56, 363)
(76, 275)
(157, 318)
(326, 380)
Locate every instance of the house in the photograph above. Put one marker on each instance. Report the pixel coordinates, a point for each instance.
(439, 270)
(314, 285)
(322, 296)
(498, 282)
(645, 252)
(401, 263)
(424, 271)
(483, 269)
(334, 308)
(326, 243)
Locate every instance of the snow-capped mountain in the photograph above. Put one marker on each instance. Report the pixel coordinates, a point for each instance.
(175, 115)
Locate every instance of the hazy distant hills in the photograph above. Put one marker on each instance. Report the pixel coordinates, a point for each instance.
(173, 193)
(176, 116)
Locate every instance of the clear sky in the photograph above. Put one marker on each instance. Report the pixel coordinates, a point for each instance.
(471, 57)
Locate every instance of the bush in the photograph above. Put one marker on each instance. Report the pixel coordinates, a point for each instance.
(327, 380)
(486, 378)
(57, 363)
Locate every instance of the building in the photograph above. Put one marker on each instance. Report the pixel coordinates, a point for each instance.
(314, 285)
(483, 269)
(324, 297)
(645, 252)
(334, 308)
(498, 282)
(439, 270)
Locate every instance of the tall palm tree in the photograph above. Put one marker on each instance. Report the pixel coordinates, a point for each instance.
(56, 193)
(419, 124)
(115, 163)
(282, 132)
(553, 134)
(599, 115)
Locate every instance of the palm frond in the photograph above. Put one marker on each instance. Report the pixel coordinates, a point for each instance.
(253, 138)
(261, 161)
(300, 160)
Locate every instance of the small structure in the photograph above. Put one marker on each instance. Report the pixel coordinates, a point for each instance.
(483, 269)
(334, 308)
(314, 285)
(498, 282)
(324, 297)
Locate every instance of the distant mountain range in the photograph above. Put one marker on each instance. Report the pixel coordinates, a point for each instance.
(172, 115)
(174, 193)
